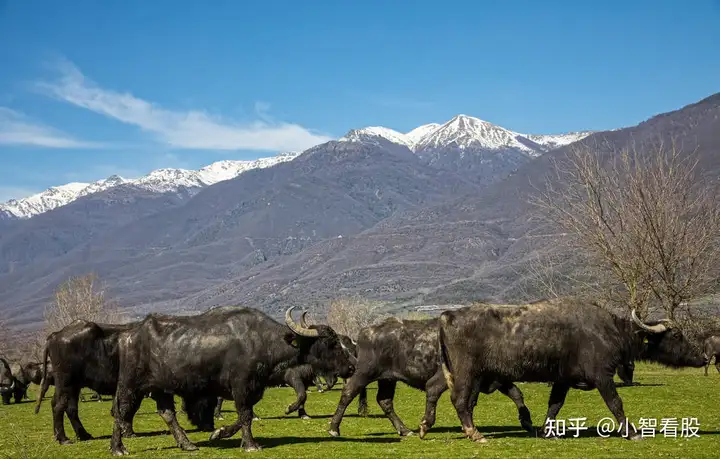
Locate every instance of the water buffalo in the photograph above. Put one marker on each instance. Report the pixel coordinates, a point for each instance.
(7, 382)
(711, 347)
(228, 351)
(24, 375)
(406, 350)
(572, 344)
(82, 354)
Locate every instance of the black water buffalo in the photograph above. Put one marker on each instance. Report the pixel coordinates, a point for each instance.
(82, 354)
(228, 351)
(406, 350)
(572, 344)
(7, 382)
(25, 374)
(711, 347)
(299, 377)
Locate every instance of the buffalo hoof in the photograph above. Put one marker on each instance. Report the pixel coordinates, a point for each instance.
(406, 433)
(363, 412)
(334, 432)
(189, 447)
(257, 418)
(477, 437)
(252, 448)
(84, 437)
(423, 430)
(215, 435)
(305, 417)
(65, 442)
(122, 451)
(527, 425)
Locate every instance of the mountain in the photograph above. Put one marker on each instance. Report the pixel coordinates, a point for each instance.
(159, 181)
(163, 249)
(474, 247)
(475, 148)
(438, 213)
(465, 132)
(478, 150)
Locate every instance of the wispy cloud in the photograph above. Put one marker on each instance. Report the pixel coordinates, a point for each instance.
(18, 129)
(180, 129)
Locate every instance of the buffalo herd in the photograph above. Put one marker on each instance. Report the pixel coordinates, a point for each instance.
(234, 353)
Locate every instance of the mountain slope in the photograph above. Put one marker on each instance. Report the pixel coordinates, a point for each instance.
(159, 181)
(453, 252)
(334, 190)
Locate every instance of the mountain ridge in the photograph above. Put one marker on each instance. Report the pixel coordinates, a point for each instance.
(158, 181)
(462, 131)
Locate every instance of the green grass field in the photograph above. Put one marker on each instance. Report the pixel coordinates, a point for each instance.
(664, 394)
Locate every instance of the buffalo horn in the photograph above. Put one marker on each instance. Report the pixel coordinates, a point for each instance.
(659, 328)
(299, 329)
(303, 323)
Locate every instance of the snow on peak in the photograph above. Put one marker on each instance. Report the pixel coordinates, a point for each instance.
(371, 133)
(464, 131)
(160, 181)
(552, 141)
(421, 131)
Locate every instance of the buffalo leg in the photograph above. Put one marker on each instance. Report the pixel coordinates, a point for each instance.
(166, 409)
(516, 395)
(127, 427)
(385, 395)
(318, 383)
(299, 405)
(717, 364)
(615, 404)
(244, 403)
(464, 402)
(353, 387)
(707, 365)
(330, 381)
(362, 403)
(218, 409)
(6, 396)
(434, 388)
(72, 414)
(555, 403)
(59, 404)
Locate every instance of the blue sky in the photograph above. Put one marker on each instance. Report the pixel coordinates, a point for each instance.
(88, 88)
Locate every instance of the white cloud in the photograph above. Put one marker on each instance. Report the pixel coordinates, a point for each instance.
(18, 129)
(180, 129)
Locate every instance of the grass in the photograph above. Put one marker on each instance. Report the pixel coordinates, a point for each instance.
(664, 393)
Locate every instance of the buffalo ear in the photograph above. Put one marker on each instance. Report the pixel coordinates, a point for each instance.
(291, 339)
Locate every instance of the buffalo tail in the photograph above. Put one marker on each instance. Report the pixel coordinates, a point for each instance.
(445, 358)
(44, 384)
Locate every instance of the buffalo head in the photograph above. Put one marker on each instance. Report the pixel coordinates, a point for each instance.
(321, 347)
(7, 381)
(666, 344)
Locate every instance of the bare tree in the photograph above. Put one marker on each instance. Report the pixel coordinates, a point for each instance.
(348, 315)
(80, 297)
(645, 216)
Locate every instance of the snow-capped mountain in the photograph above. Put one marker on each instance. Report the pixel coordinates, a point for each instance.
(160, 181)
(464, 143)
(476, 149)
(463, 132)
